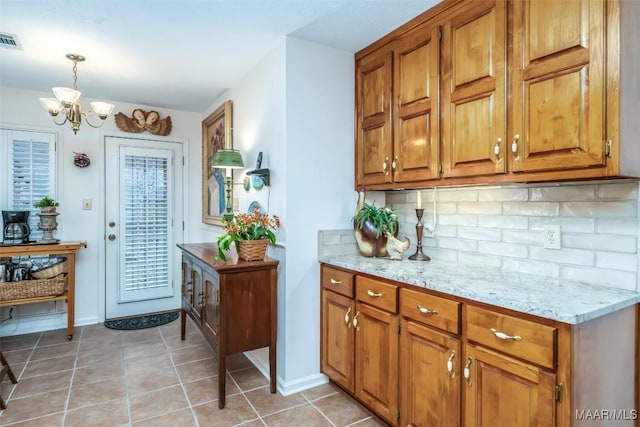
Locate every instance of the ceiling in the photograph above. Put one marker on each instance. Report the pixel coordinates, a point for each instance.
(175, 54)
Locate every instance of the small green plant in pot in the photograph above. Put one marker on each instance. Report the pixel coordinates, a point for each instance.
(46, 204)
(370, 223)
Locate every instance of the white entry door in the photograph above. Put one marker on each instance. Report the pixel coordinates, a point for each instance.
(143, 207)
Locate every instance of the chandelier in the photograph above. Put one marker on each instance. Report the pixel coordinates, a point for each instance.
(67, 100)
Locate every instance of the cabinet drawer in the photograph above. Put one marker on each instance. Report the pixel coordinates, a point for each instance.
(377, 294)
(431, 310)
(338, 281)
(521, 338)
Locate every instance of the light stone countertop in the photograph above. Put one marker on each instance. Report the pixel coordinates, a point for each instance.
(555, 299)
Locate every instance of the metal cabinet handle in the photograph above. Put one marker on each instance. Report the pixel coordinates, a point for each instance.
(514, 147)
(373, 294)
(355, 320)
(335, 282)
(496, 150)
(504, 336)
(425, 310)
(450, 364)
(394, 164)
(385, 165)
(346, 317)
(467, 371)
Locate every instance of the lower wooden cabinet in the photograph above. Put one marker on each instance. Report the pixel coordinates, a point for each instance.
(417, 358)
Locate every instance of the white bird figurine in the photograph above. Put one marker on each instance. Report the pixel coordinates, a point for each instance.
(395, 247)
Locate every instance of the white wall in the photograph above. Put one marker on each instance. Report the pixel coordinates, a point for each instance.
(296, 106)
(21, 109)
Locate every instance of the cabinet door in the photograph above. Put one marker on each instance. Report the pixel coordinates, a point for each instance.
(198, 292)
(557, 94)
(373, 119)
(187, 282)
(376, 360)
(502, 391)
(337, 338)
(416, 127)
(474, 91)
(211, 318)
(429, 377)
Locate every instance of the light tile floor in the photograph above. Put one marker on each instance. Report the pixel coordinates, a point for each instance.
(150, 377)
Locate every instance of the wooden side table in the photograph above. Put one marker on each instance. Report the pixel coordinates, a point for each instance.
(234, 304)
(63, 248)
(5, 370)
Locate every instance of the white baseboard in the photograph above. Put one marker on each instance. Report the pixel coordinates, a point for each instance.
(40, 323)
(289, 387)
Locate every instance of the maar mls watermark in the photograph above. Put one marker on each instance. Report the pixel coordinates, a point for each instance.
(606, 414)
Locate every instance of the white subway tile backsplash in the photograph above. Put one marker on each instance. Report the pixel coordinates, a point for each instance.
(457, 195)
(567, 224)
(503, 195)
(476, 259)
(503, 249)
(539, 268)
(480, 208)
(503, 221)
(563, 194)
(624, 226)
(600, 276)
(461, 220)
(523, 237)
(502, 226)
(563, 256)
(476, 233)
(618, 191)
(599, 209)
(457, 244)
(600, 242)
(531, 208)
(617, 261)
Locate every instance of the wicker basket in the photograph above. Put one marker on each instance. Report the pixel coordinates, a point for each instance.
(33, 288)
(52, 270)
(252, 250)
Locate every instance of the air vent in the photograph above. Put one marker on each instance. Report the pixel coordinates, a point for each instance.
(9, 41)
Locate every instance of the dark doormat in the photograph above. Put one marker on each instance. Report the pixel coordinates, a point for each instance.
(141, 322)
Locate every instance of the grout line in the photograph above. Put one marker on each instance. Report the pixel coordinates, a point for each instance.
(318, 409)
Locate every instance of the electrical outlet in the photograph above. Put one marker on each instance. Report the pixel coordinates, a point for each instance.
(552, 237)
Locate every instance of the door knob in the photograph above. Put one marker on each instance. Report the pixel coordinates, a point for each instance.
(112, 237)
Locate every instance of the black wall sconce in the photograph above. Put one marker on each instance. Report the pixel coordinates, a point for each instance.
(264, 174)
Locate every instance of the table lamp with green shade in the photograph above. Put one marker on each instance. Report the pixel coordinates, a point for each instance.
(228, 159)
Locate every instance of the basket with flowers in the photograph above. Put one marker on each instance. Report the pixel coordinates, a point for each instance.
(250, 232)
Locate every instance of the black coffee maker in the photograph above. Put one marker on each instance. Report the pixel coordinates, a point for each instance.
(15, 227)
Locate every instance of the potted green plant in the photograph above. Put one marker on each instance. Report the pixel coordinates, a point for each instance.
(370, 224)
(250, 232)
(46, 204)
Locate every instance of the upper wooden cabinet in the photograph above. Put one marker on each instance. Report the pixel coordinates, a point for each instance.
(486, 91)
(397, 123)
(474, 97)
(557, 85)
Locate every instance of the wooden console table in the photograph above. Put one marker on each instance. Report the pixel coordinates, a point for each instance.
(63, 248)
(233, 303)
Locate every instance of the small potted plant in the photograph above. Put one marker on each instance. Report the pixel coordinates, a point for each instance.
(250, 232)
(46, 204)
(371, 223)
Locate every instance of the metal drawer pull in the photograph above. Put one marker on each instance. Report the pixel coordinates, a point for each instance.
(373, 294)
(336, 282)
(355, 320)
(346, 317)
(450, 364)
(504, 336)
(425, 310)
(467, 371)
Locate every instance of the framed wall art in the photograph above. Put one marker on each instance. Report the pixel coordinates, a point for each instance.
(216, 135)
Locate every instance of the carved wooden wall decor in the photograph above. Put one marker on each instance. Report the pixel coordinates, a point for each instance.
(140, 121)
